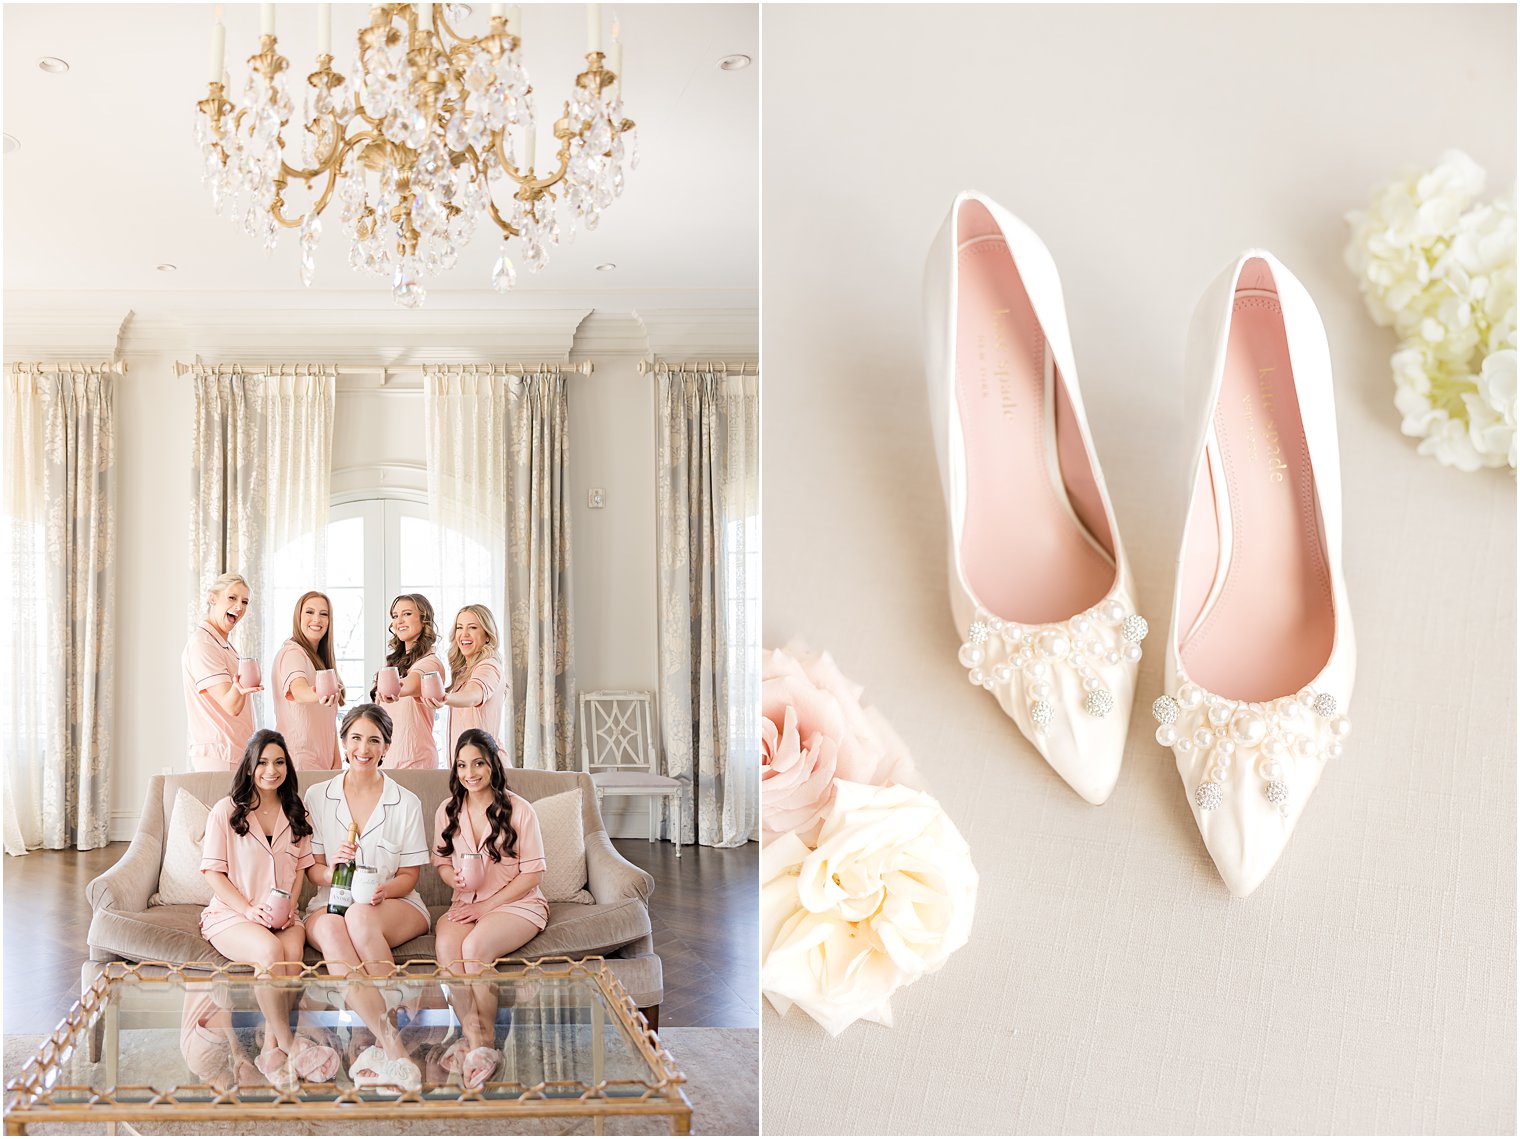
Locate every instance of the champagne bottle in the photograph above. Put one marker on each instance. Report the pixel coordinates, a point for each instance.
(341, 896)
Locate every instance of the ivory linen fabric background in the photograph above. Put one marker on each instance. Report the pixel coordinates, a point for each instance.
(1112, 984)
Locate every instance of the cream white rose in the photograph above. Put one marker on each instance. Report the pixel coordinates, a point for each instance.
(886, 897)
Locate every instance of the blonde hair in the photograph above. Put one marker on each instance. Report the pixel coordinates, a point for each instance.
(459, 667)
(225, 582)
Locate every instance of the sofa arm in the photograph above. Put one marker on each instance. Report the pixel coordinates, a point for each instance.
(610, 877)
(128, 885)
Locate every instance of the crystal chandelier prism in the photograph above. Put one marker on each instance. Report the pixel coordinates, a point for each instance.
(418, 148)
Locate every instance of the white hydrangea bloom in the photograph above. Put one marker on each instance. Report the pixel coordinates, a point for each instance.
(1439, 268)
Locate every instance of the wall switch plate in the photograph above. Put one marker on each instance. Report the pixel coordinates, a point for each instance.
(596, 499)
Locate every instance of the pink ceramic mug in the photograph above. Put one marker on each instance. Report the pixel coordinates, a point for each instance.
(472, 871)
(327, 683)
(248, 672)
(388, 683)
(281, 906)
(432, 686)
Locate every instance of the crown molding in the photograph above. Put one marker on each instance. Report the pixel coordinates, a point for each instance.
(677, 333)
(366, 331)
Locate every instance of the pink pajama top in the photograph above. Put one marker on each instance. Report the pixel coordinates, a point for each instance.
(412, 743)
(530, 859)
(252, 863)
(217, 737)
(486, 678)
(310, 730)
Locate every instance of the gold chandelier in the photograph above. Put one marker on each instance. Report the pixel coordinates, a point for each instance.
(419, 147)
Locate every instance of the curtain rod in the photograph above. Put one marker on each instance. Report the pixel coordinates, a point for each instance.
(183, 369)
(728, 367)
(38, 367)
(584, 368)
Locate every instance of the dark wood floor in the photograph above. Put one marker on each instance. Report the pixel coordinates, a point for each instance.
(705, 913)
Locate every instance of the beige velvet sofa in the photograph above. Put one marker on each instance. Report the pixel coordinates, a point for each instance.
(615, 925)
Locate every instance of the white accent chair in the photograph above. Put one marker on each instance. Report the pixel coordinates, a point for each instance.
(618, 752)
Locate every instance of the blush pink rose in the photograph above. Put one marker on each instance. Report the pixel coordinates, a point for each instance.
(814, 730)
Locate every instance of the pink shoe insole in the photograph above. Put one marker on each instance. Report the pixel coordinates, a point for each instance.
(1035, 533)
(1258, 617)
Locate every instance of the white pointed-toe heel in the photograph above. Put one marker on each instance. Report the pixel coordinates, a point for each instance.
(1040, 590)
(1260, 656)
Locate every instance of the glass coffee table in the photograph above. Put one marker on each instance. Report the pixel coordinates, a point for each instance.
(158, 1044)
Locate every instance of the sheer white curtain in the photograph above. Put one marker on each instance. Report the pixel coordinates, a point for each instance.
(708, 506)
(262, 479)
(498, 445)
(60, 518)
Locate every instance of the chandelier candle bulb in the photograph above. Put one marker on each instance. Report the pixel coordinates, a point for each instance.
(266, 19)
(593, 27)
(498, 10)
(324, 29)
(616, 61)
(424, 16)
(218, 51)
(530, 143)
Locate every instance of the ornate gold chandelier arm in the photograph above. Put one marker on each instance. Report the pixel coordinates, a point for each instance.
(522, 179)
(506, 227)
(498, 32)
(332, 167)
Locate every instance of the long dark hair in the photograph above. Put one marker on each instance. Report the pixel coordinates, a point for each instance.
(503, 837)
(396, 655)
(375, 715)
(244, 790)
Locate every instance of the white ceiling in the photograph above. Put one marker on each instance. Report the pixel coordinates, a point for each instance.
(106, 184)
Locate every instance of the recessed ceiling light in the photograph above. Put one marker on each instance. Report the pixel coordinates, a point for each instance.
(12, 143)
(53, 65)
(735, 62)
(606, 267)
(167, 268)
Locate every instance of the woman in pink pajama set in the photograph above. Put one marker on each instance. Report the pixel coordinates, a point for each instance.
(414, 632)
(477, 693)
(217, 709)
(504, 911)
(258, 840)
(308, 721)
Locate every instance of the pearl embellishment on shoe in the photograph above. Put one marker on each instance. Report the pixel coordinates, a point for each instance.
(1099, 702)
(1272, 736)
(998, 655)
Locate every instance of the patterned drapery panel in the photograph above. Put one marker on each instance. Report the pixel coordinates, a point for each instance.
(60, 474)
(262, 476)
(497, 453)
(709, 564)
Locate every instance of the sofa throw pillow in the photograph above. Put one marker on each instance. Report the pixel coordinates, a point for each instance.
(559, 818)
(180, 881)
